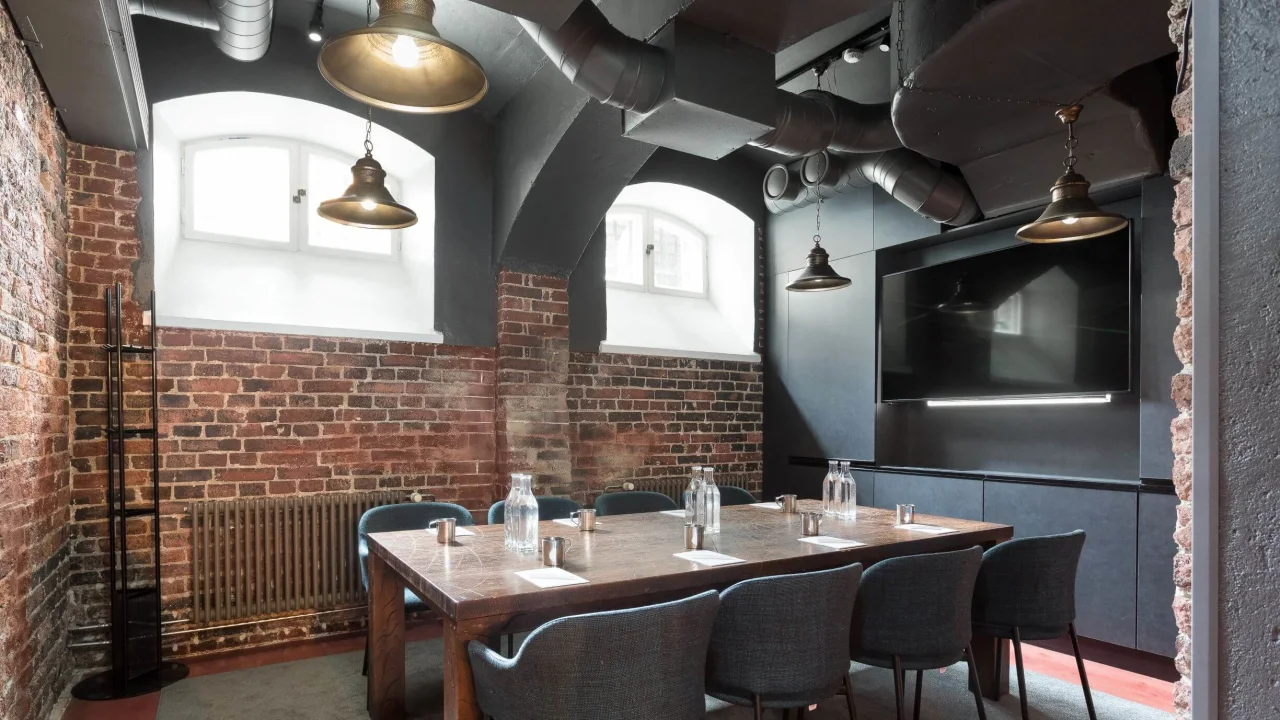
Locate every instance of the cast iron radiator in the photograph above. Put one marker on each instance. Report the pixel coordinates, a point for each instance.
(674, 487)
(255, 557)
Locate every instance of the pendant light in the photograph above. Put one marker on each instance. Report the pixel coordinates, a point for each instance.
(819, 275)
(1071, 214)
(367, 203)
(401, 63)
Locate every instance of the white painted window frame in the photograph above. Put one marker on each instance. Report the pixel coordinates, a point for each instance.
(299, 219)
(649, 214)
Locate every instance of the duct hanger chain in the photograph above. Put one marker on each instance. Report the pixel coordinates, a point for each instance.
(903, 83)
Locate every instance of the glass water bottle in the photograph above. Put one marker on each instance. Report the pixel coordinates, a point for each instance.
(831, 489)
(712, 499)
(693, 499)
(521, 515)
(848, 492)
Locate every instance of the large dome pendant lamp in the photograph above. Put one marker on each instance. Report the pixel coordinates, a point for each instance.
(819, 275)
(367, 203)
(401, 63)
(1071, 214)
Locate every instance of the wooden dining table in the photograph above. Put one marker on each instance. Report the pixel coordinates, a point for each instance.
(628, 561)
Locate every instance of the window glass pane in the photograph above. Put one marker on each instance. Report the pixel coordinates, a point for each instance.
(241, 191)
(328, 177)
(624, 247)
(678, 257)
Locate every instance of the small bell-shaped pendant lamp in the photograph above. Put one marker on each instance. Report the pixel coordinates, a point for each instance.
(1071, 214)
(819, 275)
(401, 63)
(367, 203)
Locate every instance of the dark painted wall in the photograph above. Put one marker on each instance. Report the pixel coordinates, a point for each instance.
(179, 61)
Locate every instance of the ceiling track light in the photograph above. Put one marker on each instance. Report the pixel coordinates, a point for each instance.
(852, 55)
(400, 62)
(818, 275)
(1071, 213)
(315, 29)
(367, 203)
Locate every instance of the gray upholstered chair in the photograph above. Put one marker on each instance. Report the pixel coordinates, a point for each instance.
(404, 516)
(550, 507)
(635, 664)
(782, 641)
(627, 502)
(914, 613)
(730, 495)
(1026, 590)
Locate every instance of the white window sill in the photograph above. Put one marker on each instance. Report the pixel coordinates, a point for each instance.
(255, 327)
(667, 352)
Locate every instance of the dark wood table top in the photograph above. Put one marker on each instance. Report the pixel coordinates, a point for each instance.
(632, 557)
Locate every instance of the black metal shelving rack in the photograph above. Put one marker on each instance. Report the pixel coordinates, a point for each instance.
(137, 658)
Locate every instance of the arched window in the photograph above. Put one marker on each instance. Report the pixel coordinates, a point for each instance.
(237, 178)
(679, 268)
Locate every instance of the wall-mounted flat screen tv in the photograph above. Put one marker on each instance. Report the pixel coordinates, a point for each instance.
(1025, 321)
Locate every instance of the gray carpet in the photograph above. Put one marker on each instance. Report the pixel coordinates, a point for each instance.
(331, 688)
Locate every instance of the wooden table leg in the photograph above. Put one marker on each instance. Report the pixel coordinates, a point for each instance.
(459, 687)
(386, 642)
(991, 660)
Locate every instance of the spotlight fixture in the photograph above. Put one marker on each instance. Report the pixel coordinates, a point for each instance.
(401, 63)
(315, 30)
(1071, 214)
(819, 275)
(367, 203)
(852, 55)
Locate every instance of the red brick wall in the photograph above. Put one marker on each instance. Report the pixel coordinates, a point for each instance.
(33, 390)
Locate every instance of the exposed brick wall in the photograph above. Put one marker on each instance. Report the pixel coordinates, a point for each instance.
(1180, 168)
(637, 416)
(33, 390)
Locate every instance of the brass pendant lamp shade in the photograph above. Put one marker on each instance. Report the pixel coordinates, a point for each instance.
(400, 62)
(1071, 214)
(367, 203)
(818, 275)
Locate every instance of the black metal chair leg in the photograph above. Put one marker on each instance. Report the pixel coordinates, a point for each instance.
(975, 683)
(1022, 677)
(1084, 679)
(919, 691)
(848, 696)
(511, 646)
(786, 714)
(759, 708)
(364, 670)
(898, 682)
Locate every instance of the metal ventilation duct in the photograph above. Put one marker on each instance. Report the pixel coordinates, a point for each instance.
(245, 32)
(907, 176)
(196, 13)
(816, 120)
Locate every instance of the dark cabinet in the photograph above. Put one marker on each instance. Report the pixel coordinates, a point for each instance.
(946, 496)
(1157, 517)
(1106, 583)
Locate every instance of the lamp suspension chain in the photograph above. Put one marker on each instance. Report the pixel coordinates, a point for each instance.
(368, 132)
(1070, 162)
(817, 230)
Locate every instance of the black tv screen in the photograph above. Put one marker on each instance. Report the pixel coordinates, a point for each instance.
(1030, 320)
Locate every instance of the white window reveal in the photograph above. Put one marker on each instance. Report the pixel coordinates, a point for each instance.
(652, 251)
(264, 192)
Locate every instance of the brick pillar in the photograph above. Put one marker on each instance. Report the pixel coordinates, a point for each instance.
(532, 425)
(1180, 169)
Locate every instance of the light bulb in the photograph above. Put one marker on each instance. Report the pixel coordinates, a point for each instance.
(404, 51)
(369, 205)
(315, 36)
(1070, 220)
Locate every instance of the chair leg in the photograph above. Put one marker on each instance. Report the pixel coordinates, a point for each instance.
(848, 696)
(919, 691)
(975, 683)
(511, 646)
(786, 714)
(759, 708)
(1084, 679)
(365, 669)
(1022, 677)
(898, 682)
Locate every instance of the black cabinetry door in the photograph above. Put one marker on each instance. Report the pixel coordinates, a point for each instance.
(1157, 517)
(946, 496)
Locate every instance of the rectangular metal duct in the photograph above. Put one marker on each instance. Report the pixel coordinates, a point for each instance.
(85, 53)
(551, 13)
(251, 558)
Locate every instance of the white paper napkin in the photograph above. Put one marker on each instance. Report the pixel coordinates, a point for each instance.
(672, 513)
(766, 506)
(931, 529)
(831, 542)
(709, 558)
(570, 523)
(551, 577)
